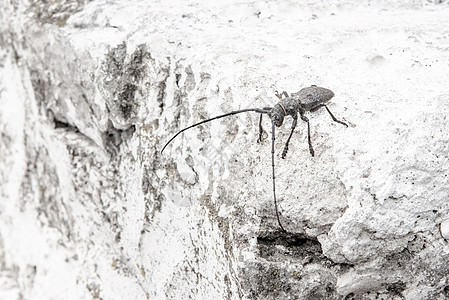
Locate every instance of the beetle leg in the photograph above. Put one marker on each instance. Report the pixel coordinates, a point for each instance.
(332, 116)
(284, 93)
(305, 119)
(295, 119)
(261, 131)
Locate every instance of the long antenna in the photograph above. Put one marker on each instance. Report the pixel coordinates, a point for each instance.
(274, 183)
(262, 111)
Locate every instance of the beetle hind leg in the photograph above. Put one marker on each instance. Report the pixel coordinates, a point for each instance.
(332, 116)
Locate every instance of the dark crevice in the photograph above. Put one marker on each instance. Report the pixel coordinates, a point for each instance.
(161, 94)
(268, 278)
(178, 77)
(114, 137)
(277, 245)
(126, 96)
(396, 288)
(63, 124)
(272, 245)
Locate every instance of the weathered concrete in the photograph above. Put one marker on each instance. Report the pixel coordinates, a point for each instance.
(90, 92)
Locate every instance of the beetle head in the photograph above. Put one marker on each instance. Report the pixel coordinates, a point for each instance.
(277, 115)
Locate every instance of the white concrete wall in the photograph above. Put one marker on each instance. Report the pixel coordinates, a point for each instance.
(90, 93)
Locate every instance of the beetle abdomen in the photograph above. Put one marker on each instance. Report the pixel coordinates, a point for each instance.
(312, 96)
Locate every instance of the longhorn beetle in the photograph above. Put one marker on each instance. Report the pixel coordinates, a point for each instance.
(307, 99)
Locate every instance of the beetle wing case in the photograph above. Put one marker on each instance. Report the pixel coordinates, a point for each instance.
(312, 96)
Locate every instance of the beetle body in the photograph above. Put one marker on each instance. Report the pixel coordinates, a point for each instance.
(310, 99)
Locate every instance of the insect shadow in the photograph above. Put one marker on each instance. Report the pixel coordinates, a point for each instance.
(307, 99)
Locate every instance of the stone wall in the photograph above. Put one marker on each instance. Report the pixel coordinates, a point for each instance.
(90, 91)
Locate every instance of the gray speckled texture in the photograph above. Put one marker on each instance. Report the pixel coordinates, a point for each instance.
(312, 95)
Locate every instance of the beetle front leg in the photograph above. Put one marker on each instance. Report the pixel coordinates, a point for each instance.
(261, 131)
(284, 93)
(284, 153)
(305, 119)
(259, 140)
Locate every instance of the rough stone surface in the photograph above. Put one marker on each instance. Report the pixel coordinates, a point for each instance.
(91, 90)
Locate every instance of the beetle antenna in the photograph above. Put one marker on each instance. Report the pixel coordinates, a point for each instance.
(258, 110)
(274, 182)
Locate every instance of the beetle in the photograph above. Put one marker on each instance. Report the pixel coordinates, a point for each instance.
(310, 99)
